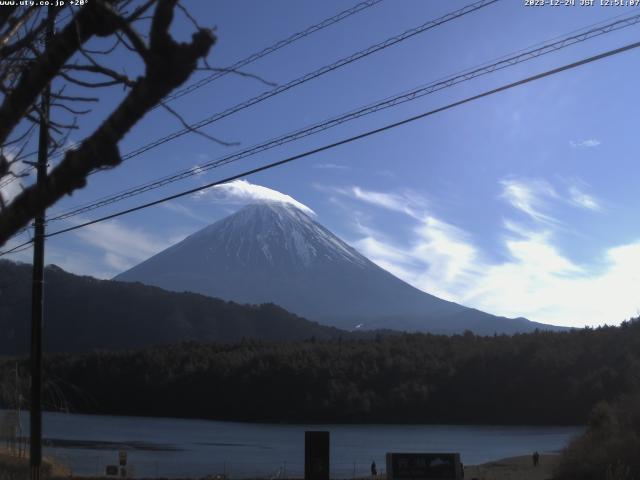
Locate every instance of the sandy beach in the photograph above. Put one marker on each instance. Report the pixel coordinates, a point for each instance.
(514, 468)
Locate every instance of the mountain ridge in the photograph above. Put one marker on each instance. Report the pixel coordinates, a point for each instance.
(84, 313)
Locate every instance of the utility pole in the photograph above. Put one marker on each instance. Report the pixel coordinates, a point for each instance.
(35, 407)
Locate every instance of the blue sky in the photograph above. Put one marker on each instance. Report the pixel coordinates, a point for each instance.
(521, 204)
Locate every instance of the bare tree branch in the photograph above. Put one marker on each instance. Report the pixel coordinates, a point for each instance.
(93, 19)
(69, 109)
(239, 73)
(91, 84)
(9, 49)
(106, 51)
(20, 138)
(186, 125)
(58, 96)
(137, 43)
(168, 65)
(138, 12)
(6, 13)
(15, 26)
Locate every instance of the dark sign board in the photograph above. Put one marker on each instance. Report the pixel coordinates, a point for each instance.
(111, 470)
(316, 455)
(424, 466)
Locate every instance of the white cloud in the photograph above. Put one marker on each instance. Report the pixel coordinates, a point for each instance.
(529, 196)
(243, 192)
(375, 245)
(11, 186)
(80, 263)
(70, 260)
(536, 279)
(534, 197)
(445, 248)
(436, 257)
(122, 247)
(580, 199)
(198, 171)
(406, 202)
(540, 283)
(185, 211)
(589, 143)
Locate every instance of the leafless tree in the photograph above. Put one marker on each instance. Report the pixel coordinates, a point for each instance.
(66, 62)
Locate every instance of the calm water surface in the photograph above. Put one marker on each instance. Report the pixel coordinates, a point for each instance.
(176, 447)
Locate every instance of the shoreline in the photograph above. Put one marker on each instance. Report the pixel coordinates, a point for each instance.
(508, 468)
(514, 468)
(314, 423)
(310, 423)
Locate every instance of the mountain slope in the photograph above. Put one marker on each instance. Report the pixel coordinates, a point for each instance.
(83, 313)
(276, 253)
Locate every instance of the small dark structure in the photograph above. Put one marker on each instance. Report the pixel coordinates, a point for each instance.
(316, 455)
(424, 466)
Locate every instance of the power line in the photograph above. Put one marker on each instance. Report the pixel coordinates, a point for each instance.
(313, 75)
(18, 248)
(273, 48)
(504, 62)
(369, 133)
(11, 178)
(327, 22)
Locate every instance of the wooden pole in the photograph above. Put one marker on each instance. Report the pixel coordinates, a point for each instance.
(37, 292)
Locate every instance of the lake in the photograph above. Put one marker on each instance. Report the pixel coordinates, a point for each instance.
(171, 447)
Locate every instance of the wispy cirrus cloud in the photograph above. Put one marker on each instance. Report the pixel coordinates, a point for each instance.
(536, 279)
(406, 201)
(579, 198)
(436, 249)
(588, 143)
(530, 196)
(186, 212)
(536, 197)
(436, 258)
(123, 247)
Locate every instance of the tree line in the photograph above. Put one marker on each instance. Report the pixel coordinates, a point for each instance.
(535, 378)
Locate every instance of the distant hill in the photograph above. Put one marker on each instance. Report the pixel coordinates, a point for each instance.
(273, 252)
(83, 313)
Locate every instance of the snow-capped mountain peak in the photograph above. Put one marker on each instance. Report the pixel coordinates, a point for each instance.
(276, 232)
(275, 252)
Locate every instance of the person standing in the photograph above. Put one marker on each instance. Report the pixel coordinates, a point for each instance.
(374, 470)
(536, 458)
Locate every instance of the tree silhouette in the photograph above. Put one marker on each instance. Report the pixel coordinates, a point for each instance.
(28, 67)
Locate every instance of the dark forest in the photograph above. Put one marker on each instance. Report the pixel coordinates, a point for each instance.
(536, 378)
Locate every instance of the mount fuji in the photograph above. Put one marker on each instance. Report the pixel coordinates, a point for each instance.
(276, 253)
